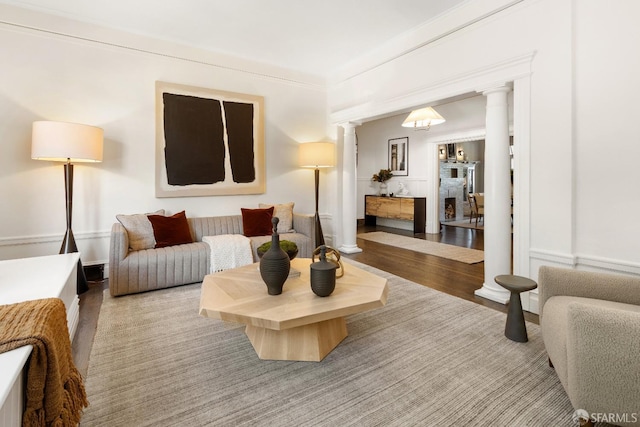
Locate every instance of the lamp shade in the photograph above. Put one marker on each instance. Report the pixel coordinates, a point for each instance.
(317, 155)
(61, 142)
(424, 117)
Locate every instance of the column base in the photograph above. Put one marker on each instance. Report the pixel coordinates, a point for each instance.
(501, 296)
(350, 249)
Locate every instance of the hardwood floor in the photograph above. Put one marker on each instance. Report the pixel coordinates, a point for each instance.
(452, 277)
(90, 303)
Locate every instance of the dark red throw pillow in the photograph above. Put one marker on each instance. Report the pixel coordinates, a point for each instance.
(257, 222)
(170, 230)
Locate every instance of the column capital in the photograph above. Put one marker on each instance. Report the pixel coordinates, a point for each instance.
(350, 125)
(505, 88)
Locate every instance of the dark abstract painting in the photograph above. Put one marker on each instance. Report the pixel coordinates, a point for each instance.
(208, 142)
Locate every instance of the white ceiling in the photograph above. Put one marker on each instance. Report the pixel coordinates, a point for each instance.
(314, 36)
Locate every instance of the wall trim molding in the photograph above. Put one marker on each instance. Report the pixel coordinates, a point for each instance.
(462, 136)
(468, 135)
(206, 59)
(561, 258)
(581, 261)
(469, 81)
(396, 179)
(608, 264)
(51, 238)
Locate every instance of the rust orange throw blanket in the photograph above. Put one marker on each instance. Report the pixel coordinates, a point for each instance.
(55, 391)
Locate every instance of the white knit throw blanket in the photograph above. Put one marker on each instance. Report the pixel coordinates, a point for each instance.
(229, 251)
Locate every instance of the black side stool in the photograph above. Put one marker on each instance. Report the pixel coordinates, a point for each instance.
(515, 328)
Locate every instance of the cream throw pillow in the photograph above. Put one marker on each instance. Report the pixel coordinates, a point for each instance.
(139, 230)
(284, 212)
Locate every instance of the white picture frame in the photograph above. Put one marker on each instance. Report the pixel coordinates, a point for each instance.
(399, 156)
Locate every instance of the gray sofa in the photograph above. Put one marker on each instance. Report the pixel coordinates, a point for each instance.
(150, 269)
(590, 325)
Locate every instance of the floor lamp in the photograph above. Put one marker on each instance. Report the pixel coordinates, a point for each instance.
(317, 155)
(69, 143)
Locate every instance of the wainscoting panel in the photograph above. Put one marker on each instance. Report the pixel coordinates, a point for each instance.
(93, 246)
(578, 262)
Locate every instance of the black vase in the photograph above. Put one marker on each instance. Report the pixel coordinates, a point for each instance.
(323, 275)
(275, 263)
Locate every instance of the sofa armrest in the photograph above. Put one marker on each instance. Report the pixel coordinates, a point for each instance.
(304, 224)
(554, 281)
(118, 251)
(119, 248)
(603, 344)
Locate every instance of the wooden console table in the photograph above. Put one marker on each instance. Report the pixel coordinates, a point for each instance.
(402, 208)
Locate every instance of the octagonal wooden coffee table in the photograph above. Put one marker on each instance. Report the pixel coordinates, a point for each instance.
(297, 324)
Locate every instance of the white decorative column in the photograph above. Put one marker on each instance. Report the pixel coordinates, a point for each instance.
(433, 190)
(497, 195)
(349, 191)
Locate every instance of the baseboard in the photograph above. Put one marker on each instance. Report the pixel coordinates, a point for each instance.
(94, 272)
(534, 306)
(498, 296)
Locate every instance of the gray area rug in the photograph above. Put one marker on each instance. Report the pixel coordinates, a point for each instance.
(442, 250)
(426, 359)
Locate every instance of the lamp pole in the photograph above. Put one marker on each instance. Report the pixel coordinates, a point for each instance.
(317, 155)
(69, 242)
(319, 234)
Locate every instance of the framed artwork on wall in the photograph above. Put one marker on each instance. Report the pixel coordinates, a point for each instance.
(399, 156)
(208, 142)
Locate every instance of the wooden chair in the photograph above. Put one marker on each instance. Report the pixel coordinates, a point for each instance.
(477, 206)
(472, 205)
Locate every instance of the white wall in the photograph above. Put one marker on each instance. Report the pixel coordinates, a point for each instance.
(583, 68)
(107, 80)
(607, 141)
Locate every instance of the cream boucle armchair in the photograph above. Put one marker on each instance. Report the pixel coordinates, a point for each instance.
(590, 325)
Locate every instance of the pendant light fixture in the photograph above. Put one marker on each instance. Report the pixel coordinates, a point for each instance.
(423, 119)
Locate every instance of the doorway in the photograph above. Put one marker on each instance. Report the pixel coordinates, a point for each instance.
(460, 175)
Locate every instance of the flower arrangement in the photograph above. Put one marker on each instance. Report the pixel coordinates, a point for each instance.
(382, 176)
